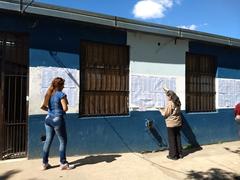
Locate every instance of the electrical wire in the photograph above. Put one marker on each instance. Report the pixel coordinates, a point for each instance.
(134, 153)
(59, 62)
(27, 5)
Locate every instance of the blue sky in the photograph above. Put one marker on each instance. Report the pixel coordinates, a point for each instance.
(220, 17)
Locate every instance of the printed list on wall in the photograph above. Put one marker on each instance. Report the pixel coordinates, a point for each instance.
(229, 92)
(147, 91)
(70, 87)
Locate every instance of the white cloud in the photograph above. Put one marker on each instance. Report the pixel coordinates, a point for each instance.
(147, 9)
(191, 27)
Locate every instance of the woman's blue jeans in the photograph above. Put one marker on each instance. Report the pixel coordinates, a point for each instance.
(55, 125)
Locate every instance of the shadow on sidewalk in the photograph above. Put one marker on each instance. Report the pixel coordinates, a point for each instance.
(190, 149)
(8, 174)
(233, 151)
(95, 159)
(213, 174)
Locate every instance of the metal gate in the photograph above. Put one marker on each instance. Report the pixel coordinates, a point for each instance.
(13, 93)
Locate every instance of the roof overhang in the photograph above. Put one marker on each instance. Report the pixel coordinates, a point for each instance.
(113, 21)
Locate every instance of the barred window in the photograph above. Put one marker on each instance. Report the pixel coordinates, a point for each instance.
(104, 76)
(200, 83)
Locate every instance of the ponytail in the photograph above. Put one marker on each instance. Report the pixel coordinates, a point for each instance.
(46, 98)
(55, 85)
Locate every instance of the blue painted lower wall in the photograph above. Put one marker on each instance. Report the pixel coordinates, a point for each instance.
(129, 133)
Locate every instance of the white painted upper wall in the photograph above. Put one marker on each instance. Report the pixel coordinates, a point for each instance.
(40, 80)
(149, 55)
(159, 56)
(156, 55)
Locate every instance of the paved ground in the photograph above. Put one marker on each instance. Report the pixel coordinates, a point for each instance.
(218, 161)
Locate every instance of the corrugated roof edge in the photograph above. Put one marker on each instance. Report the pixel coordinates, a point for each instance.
(119, 22)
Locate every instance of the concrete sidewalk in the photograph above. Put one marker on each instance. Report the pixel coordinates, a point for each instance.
(218, 161)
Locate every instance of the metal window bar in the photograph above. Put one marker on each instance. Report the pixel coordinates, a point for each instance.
(104, 79)
(15, 124)
(200, 83)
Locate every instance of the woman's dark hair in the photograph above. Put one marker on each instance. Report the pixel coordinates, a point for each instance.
(173, 97)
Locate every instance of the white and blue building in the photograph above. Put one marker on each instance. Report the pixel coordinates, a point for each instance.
(114, 69)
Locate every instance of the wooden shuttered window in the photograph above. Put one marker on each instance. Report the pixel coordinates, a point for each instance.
(200, 83)
(104, 79)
